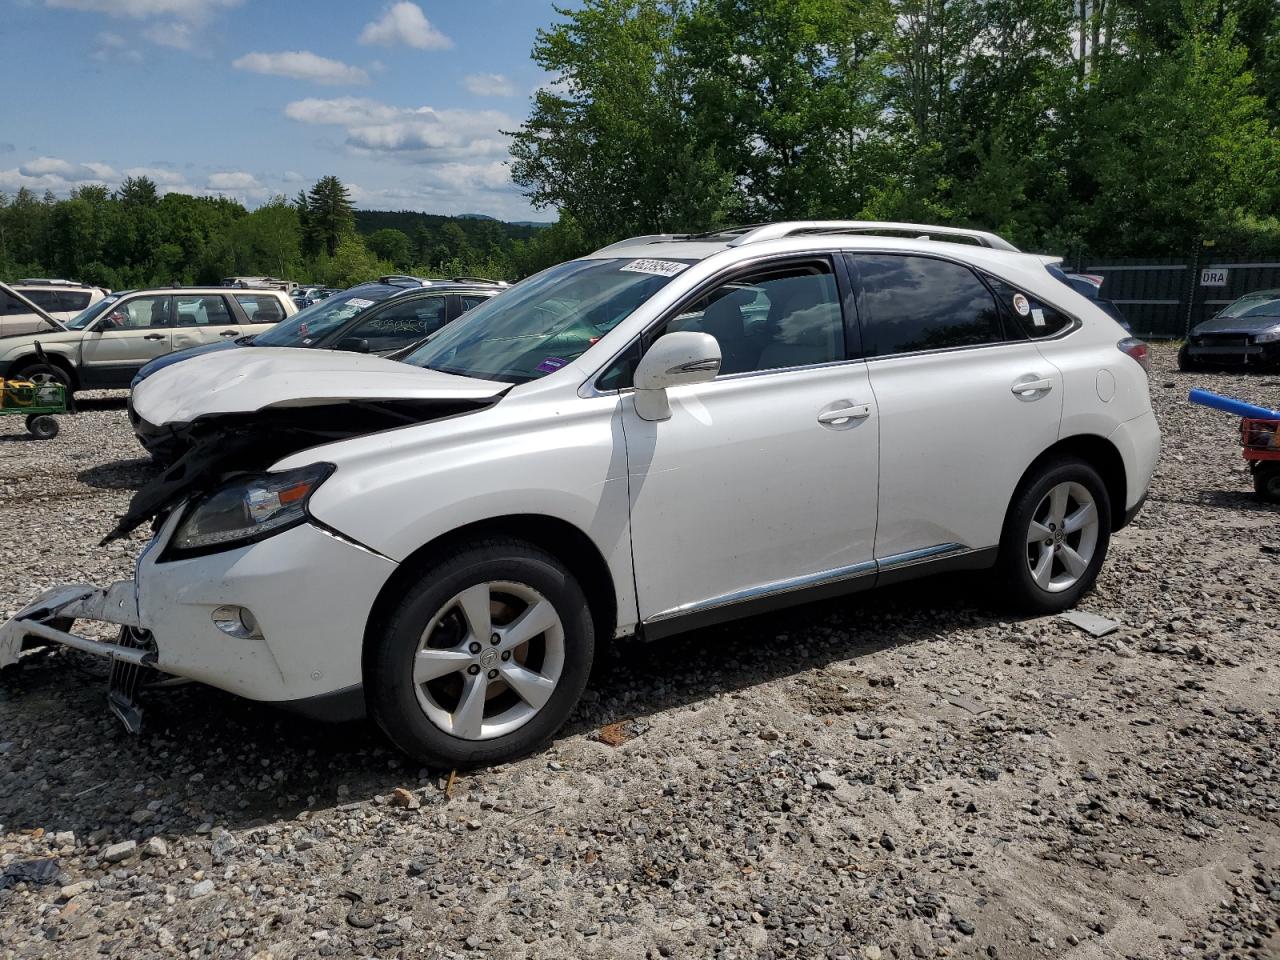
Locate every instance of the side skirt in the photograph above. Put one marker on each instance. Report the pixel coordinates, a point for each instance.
(944, 558)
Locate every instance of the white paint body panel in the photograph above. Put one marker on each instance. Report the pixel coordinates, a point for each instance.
(743, 487)
(740, 489)
(251, 379)
(955, 440)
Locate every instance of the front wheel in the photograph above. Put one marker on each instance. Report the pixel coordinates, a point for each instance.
(1055, 536)
(1185, 363)
(484, 658)
(1266, 480)
(44, 373)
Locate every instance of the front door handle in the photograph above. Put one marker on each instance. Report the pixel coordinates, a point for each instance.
(1027, 387)
(843, 415)
(229, 333)
(153, 336)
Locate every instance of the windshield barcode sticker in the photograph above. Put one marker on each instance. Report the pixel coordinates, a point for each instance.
(659, 268)
(358, 303)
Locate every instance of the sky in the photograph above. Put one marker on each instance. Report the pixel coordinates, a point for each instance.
(405, 102)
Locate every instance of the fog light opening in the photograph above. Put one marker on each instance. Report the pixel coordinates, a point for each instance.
(237, 622)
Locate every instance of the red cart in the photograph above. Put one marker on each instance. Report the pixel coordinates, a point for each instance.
(1261, 441)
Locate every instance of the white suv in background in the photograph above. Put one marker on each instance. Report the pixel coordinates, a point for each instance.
(668, 433)
(60, 299)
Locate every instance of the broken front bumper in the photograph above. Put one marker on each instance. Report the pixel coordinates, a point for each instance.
(38, 621)
(310, 593)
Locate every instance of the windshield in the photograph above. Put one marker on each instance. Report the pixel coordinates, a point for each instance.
(307, 326)
(543, 323)
(90, 314)
(1258, 305)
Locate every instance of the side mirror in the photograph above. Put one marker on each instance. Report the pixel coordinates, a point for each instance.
(674, 360)
(353, 345)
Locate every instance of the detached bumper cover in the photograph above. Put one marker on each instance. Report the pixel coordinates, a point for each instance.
(116, 604)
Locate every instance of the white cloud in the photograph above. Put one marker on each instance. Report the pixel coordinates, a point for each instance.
(404, 22)
(489, 85)
(418, 134)
(175, 34)
(191, 10)
(234, 180)
(301, 65)
(158, 175)
(65, 170)
(112, 48)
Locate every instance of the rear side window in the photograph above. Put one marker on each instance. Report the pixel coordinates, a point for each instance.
(918, 303)
(470, 300)
(44, 299)
(75, 300)
(1033, 317)
(260, 308)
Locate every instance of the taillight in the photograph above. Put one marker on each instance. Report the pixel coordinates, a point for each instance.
(1138, 349)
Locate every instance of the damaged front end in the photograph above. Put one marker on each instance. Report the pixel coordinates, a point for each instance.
(220, 450)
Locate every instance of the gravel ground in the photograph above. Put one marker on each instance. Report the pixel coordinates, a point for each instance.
(907, 774)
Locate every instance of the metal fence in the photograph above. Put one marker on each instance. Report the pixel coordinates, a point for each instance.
(1163, 298)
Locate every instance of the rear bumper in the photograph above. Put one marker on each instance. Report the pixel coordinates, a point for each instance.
(1138, 441)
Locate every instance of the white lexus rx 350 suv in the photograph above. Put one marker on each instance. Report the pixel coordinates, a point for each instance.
(670, 432)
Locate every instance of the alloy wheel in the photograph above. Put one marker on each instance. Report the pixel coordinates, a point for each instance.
(1062, 537)
(489, 660)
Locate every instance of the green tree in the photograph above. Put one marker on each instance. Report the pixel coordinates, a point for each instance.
(393, 245)
(330, 215)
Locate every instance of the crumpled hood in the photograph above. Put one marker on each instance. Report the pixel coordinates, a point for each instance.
(1236, 325)
(259, 378)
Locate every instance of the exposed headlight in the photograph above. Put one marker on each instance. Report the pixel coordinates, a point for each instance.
(248, 509)
(1270, 335)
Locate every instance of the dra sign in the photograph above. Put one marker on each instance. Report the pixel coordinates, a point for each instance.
(1213, 277)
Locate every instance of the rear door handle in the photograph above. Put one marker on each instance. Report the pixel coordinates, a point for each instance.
(153, 336)
(847, 414)
(1026, 386)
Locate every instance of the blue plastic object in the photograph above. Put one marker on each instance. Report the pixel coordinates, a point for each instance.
(1231, 405)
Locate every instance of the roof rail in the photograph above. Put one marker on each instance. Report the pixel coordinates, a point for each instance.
(496, 283)
(403, 278)
(648, 238)
(775, 231)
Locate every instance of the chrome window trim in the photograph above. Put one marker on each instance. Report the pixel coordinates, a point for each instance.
(777, 588)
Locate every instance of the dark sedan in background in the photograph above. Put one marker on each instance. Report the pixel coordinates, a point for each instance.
(1246, 332)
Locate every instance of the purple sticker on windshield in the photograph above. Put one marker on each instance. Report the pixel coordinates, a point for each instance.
(551, 365)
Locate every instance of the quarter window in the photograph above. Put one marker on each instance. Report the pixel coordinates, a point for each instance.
(1034, 318)
(919, 303)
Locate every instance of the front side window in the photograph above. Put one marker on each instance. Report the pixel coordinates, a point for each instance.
(914, 303)
(545, 322)
(471, 300)
(140, 313)
(399, 323)
(307, 326)
(208, 310)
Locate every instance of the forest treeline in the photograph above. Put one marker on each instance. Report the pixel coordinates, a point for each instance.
(1112, 127)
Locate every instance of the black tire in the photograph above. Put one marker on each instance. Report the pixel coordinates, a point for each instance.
(42, 426)
(391, 693)
(44, 373)
(1266, 480)
(1021, 589)
(1185, 363)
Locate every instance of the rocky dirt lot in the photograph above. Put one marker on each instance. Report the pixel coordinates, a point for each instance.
(906, 774)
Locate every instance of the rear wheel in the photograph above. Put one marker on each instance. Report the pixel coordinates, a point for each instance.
(484, 658)
(1055, 536)
(1266, 480)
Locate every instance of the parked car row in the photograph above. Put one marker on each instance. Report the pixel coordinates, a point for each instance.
(669, 432)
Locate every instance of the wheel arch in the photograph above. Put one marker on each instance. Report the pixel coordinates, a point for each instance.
(56, 359)
(564, 541)
(1101, 454)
